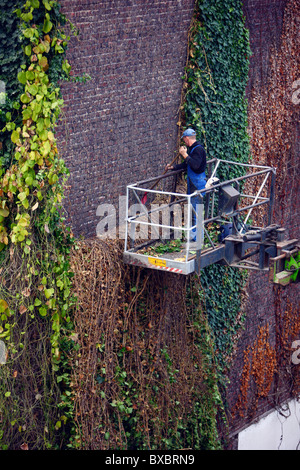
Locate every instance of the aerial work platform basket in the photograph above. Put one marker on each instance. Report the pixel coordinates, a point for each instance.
(159, 232)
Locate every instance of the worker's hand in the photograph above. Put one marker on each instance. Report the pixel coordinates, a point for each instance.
(183, 151)
(169, 167)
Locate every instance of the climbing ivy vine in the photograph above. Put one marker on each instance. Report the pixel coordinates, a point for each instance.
(216, 79)
(215, 105)
(35, 284)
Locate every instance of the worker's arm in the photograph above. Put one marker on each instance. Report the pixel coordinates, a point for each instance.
(180, 166)
(197, 160)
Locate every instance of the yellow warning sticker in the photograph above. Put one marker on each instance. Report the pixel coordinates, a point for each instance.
(157, 262)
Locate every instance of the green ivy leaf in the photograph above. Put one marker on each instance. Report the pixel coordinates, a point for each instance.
(25, 204)
(27, 50)
(26, 17)
(29, 33)
(4, 212)
(46, 148)
(44, 136)
(35, 3)
(22, 78)
(29, 180)
(43, 311)
(33, 89)
(15, 136)
(25, 98)
(47, 5)
(47, 26)
(27, 112)
(49, 293)
(40, 125)
(30, 75)
(22, 196)
(3, 305)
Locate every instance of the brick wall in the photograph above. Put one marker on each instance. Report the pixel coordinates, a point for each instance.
(120, 127)
(264, 20)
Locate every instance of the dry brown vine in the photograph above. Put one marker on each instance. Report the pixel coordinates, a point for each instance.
(137, 343)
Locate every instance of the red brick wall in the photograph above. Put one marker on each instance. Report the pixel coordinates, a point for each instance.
(264, 20)
(120, 127)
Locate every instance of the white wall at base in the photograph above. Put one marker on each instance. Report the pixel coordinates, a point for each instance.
(276, 431)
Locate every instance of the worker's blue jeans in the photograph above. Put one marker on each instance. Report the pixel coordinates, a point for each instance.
(195, 181)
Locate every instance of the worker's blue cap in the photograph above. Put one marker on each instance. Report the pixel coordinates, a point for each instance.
(188, 132)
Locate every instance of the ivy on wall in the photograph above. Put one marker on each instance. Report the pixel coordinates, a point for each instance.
(144, 375)
(216, 79)
(133, 369)
(35, 283)
(11, 56)
(215, 105)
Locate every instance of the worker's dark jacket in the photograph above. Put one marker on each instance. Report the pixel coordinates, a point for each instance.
(195, 164)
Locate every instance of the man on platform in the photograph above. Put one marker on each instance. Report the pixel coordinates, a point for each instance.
(195, 163)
